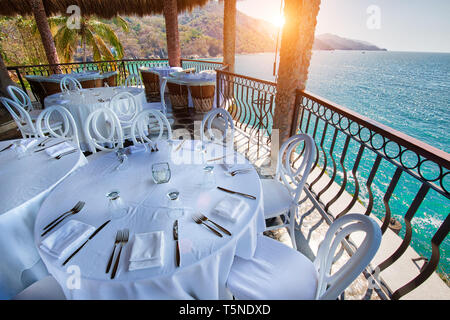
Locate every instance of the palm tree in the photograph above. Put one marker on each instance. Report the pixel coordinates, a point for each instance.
(93, 34)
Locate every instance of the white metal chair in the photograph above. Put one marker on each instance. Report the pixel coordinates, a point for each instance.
(103, 131)
(23, 120)
(145, 123)
(45, 289)
(279, 272)
(68, 129)
(125, 107)
(282, 194)
(69, 83)
(218, 120)
(21, 97)
(134, 80)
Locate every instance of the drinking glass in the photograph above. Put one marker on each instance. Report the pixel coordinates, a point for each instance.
(20, 149)
(209, 180)
(174, 205)
(116, 206)
(161, 172)
(123, 159)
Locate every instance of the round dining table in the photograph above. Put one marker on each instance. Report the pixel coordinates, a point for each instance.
(205, 258)
(26, 181)
(81, 103)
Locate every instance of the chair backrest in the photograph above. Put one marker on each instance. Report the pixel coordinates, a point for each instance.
(145, 123)
(295, 179)
(330, 286)
(20, 116)
(103, 130)
(69, 83)
(69, 127)
(125, 107)
(21, 97)
(222, 121)
(134, 79)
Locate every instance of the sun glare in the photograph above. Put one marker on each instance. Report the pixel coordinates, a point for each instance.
(278, 21)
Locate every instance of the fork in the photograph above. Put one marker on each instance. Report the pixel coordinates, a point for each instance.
(72, 212)
(116, 242)
(235, 172)
(204, 218)
(197, 220)
(65, 153)
(123, 240)
(42, 143)
(78, 206)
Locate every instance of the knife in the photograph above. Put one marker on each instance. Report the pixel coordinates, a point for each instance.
(175, 237)
(239, 193)
(92, 235)
(7, 147)
(50, 146)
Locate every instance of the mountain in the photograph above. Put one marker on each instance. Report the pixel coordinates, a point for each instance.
(334, 42)
(201, 35)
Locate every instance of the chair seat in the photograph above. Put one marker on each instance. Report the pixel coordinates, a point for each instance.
(277, 199)
(44, 289)
(276, 272)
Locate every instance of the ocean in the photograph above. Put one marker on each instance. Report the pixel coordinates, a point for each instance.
(408, 91)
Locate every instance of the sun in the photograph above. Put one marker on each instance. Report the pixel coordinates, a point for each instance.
(278, 20)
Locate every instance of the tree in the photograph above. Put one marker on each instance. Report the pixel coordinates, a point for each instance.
(92, 33)
(295, 54)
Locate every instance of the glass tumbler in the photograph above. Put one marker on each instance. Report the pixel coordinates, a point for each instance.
(209, 180)
(116, 206)
(161, 172)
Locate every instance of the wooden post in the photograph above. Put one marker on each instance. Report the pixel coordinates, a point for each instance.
(46, 34)
(229, 33)
(295, 54)
(172, 35)
(5, 80)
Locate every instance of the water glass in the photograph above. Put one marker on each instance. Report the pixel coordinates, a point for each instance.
(20, 149)
(116, 206)
(123, 159)
(209, 180)
(161, 172)
(174, 205)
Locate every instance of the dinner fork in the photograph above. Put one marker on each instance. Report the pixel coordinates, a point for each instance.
(199, 221)
(123, 240)
(67, 214)
(204, 218)
(235, 172)
(78, 206)
(116, 242)
(42, 143)
(65, 154)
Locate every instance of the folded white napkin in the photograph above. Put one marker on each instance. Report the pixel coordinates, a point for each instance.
(138, 148)
(58, 149)
(147, 251)
(27, 143)
(67, 238)
(231, 208)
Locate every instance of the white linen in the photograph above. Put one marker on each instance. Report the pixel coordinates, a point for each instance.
(231, 208)
(59, 149)
(66, 238)
(138, 148)
(25, 184)
(81, 104)
(27, 143)
(205, 258)
(147, 251)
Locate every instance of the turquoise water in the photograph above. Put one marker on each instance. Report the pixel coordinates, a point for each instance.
(409, 92)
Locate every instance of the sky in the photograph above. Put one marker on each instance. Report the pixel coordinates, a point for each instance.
(397, 25)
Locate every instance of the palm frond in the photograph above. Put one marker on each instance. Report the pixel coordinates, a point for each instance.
(107, 34)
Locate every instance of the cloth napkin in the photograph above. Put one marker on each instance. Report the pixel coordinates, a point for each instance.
(67, 238)
(231, 208)
(147, 251)
(58, 149)
(138, 148)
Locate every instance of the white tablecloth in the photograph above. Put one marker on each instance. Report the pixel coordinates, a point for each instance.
(205, 258)
(80, 107)
(24, 185)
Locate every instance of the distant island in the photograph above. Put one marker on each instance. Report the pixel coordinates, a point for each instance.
(333, 42)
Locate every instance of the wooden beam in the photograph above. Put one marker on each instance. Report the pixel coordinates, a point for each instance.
(172, 34)
(229, 33)
(295, 54)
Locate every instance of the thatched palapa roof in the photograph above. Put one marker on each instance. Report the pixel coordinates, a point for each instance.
(102, 8)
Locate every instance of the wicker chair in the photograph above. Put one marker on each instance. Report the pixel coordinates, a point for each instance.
(178, 95)
(202, 96)
(151, 84)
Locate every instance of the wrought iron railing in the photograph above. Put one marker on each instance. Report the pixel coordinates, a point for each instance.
(390, 173)
(251, 103)
(386, 172)
(124, 67)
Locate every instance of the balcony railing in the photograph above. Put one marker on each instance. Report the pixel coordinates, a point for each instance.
(386, 172)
